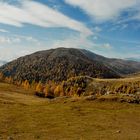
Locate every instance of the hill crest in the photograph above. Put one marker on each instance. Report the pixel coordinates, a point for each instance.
(62, 63)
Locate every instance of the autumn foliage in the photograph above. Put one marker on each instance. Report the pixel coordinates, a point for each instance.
(78, 86)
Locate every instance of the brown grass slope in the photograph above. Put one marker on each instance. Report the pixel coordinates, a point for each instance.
(26, 117)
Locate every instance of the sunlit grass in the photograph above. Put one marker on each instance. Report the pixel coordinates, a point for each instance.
(26, 117)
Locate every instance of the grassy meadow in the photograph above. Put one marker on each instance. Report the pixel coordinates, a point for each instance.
(24, 116)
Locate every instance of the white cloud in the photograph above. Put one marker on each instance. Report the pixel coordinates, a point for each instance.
(4, 31)
(9, 40)
(74, 42)
(81, 42)
(31, 12)
(17, 39)
(26, 38)
(11, 52)
(107, 46)
(97, 29)
(103, 10)
(4, 40)
(136, 16)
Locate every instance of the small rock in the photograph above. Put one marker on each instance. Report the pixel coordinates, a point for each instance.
(118, 131)
(90, 98)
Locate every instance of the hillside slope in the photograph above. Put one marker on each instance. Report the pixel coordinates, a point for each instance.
(26, 117)
(119, 65)
(63, 63)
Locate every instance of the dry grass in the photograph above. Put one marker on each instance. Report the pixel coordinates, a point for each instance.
(26, 117)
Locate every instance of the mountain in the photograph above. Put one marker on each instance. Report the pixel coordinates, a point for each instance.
(134, 59)
(120, 66)
(62, 63)
(2, 62)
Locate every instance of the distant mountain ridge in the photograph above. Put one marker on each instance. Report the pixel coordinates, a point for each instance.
(62, 63)
(2, 62)
(133, 59)
(121, 66)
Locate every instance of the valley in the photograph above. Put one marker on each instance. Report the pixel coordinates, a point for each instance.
(25, 116)
(69, 70)
(69, 94)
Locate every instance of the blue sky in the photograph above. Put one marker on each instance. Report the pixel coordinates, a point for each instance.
(107, 27)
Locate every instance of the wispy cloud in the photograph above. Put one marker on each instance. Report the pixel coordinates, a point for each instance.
(4, 40)
(81, 42)
(107, 46)
(103, 10)
(4, 31)
(133, 42)
(74, 42)
(17, 39)
(31, 12)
